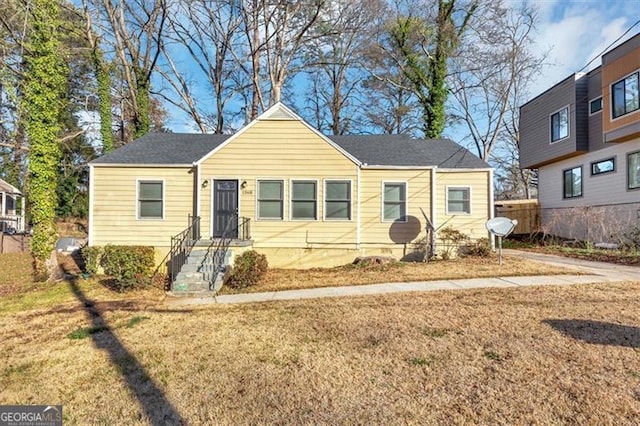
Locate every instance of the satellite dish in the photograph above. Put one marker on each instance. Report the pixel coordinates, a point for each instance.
(501, 226)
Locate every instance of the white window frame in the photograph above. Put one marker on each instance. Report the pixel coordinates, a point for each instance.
(291, 182)
(611, 95)
(406, 201)
(284, 197)
(601, 105)
(446, 200)
(324, 200)
(137, 200)
(551, 125)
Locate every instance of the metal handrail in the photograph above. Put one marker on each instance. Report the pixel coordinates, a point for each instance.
(233, 230)
(181, 246)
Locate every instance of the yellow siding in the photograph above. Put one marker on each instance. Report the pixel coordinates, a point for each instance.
(283, 150)
(114, 218)
(472, 225)
(375, 232)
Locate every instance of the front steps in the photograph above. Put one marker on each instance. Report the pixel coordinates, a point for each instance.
(193, 278)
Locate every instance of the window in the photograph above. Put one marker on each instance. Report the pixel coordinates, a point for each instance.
(633, 170)
(394, 201)
(270, 199)
(337, 199)
(573, 182)
(603, 166)
(150, 199)
(595, 105)
(458, 200)
(303, 199)
(560, 124)
(624, 96)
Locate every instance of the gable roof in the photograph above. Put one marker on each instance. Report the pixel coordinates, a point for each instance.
(185, 149)
(8, 188)
(163, 149)
(403, 151)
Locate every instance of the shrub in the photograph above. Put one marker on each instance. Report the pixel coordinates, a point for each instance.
(128, 265)
(91, 258)
(452, 239)
(248, 269)
(481, 248)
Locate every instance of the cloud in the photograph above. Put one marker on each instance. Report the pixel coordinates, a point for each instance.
(575, 32)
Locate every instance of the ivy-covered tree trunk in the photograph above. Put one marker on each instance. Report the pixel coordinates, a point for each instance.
(103, 77)
(141, 119)
(44, 86)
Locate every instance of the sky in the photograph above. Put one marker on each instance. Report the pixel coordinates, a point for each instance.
(574, 32)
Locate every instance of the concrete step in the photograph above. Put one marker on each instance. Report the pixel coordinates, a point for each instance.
(189, 276)
(182, 286)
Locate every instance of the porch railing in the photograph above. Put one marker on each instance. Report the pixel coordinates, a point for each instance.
(214, 261)
(181, 246)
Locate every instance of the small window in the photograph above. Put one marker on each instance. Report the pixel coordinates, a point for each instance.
(337, 200)
(458, 200)
(573, 182)
(624, 96)
(303, 200)
(150, 199)
(394, 200)
(560, 124)
(604, 166)
(633, 170)
(595, 105)
(270, 199)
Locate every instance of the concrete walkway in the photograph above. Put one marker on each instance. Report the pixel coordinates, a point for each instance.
(595, 272)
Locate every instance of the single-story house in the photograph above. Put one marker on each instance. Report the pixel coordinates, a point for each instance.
(300, 197)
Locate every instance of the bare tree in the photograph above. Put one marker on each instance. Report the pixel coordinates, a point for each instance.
(133, 29)
(207, 30)
(490, 81)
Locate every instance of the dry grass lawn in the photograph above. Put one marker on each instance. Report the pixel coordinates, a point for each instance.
(468, 267)
(539, 355)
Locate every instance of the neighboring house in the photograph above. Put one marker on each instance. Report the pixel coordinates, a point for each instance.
(302, 198)
(12, 208)
(583, 136)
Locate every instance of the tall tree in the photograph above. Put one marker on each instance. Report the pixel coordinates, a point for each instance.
(421, 46)
(44, 86)
(134, 30)
(490, 81)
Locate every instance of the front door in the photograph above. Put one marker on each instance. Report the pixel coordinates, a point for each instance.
(225, 207)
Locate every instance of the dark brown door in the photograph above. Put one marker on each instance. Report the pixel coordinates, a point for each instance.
(225, 208)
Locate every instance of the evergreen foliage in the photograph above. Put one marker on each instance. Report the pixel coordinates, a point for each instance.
(43, 99)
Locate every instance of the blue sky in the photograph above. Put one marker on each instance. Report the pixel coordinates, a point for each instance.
(577, 31)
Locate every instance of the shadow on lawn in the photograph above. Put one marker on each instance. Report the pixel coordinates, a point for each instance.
(157, 408)
(598, 332)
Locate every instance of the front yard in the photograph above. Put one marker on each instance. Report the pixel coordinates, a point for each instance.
(545, 355)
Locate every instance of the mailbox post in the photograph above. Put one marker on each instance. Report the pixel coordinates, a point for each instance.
(501, 227)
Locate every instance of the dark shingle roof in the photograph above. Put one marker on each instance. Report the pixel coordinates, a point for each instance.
(163, 148)
(373, 150)
(401, 150)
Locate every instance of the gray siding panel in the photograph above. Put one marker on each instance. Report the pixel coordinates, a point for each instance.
(535, 125)
(582, 114)
(596, 141)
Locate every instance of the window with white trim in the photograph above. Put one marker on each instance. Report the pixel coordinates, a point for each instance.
(304, 200)
(625, 96)
(270, 199)
(572, 182)
(150, 199)
(633, 170)
(560, 124)
(458, 200)
(394, 201)
(337, 199)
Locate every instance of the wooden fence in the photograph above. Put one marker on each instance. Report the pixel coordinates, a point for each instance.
(526, 212)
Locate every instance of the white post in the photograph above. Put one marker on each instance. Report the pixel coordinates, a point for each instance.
(23, 214)
(4, 204)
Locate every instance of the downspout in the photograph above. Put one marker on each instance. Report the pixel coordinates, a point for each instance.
(491, 209)
(434, 219)
(197, 184)
(91, 195)
(358, 218)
